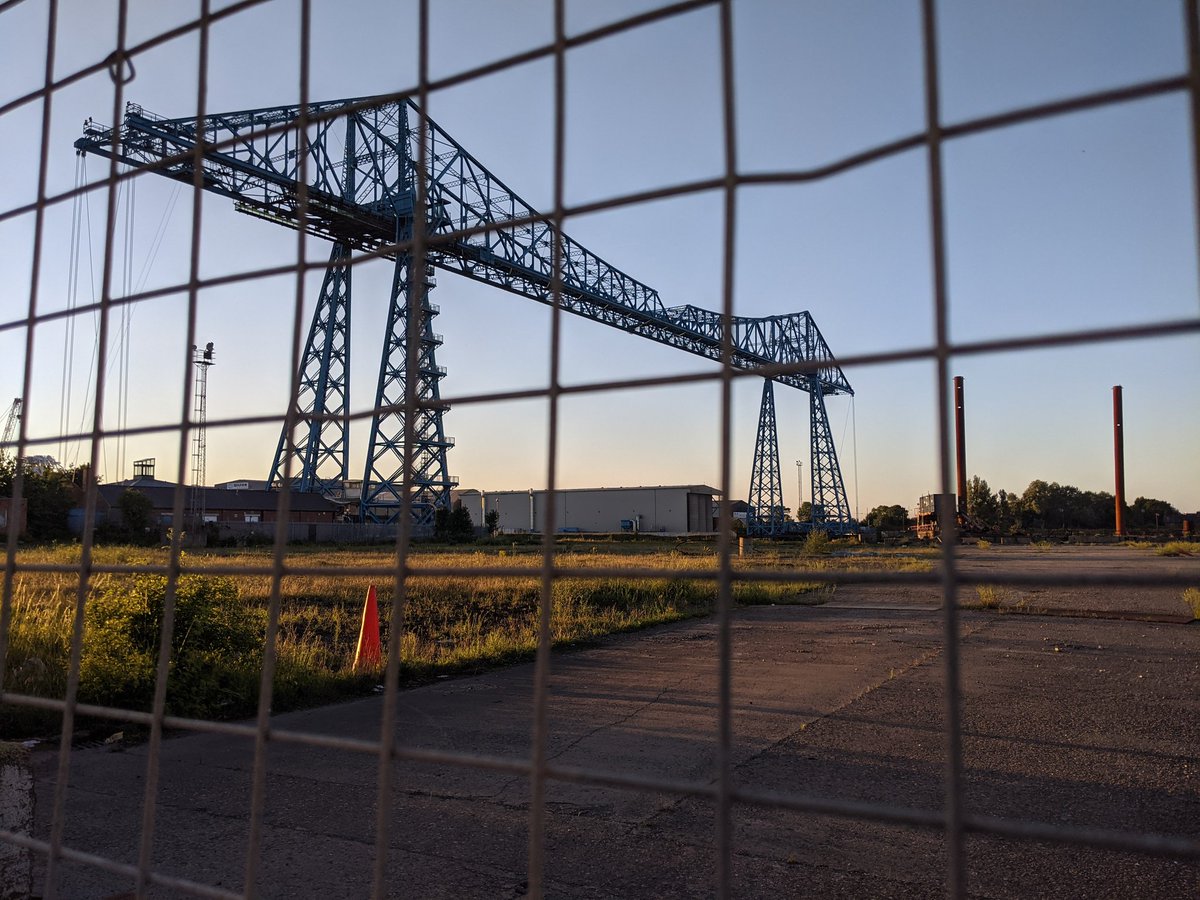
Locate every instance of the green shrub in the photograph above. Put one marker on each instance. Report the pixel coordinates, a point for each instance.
(817, 543)
(216, 647)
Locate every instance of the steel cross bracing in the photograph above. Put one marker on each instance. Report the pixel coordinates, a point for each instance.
(359, 161)
(430, 482)
(12, 422)
(765, 513)
(830, 508)
(321, 441)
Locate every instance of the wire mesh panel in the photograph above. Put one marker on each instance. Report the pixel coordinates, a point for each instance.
(1009, 194)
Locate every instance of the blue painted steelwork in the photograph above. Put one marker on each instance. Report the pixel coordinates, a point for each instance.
(830, 508)
(430, 481)
(321, 441)
(360, 170)
(765, 515)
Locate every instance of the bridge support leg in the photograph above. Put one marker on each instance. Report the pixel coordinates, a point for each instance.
(387, 472)
(321, 441)
(830, 508)
(765, 516)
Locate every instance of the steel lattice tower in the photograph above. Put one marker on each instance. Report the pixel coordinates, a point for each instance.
(320, 445)
(765, 515)
(202, 360)
(830, 508)
(430, 480)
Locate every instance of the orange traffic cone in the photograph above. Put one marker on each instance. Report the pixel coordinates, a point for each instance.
(369, 655)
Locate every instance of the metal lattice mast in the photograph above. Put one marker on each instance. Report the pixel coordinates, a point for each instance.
(765, 516)
(12, 421)
(202, 360)
(830, 508)
(321, 445)
(429, 482)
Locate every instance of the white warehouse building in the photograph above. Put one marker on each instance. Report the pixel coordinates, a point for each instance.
(669, 509)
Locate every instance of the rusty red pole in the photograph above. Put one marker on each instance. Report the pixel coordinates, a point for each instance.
(960, 444)
(1119, 459)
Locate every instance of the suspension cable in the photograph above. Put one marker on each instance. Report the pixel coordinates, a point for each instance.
(123, 335)
(87, 394)
(64, 402)
(156, 243)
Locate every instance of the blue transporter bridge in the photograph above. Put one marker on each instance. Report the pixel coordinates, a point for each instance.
(376, 176)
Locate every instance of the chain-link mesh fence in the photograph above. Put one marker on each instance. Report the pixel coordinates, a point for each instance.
(38, 215)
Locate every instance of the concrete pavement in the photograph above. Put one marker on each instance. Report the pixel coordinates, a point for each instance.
(1087, 722)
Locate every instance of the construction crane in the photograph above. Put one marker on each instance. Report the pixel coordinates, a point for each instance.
(12, 422)
(367, 177)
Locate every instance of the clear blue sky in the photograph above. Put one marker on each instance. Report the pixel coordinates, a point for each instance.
(1086, 220)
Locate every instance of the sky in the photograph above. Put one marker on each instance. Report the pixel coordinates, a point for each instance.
(1080, 221)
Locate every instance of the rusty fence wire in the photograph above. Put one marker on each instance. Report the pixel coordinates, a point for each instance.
(25, 312)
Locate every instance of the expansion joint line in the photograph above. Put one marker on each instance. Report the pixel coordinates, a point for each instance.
(618, 721)
(923, 659)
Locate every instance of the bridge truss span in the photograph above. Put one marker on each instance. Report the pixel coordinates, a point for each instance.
(364, 163)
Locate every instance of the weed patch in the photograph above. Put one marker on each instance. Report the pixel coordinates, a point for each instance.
(989, 596)
(1192, 598)
(996, 598)
(1178, 548)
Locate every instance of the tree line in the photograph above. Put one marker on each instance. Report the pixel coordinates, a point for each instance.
(1043, 506)
(50, 491)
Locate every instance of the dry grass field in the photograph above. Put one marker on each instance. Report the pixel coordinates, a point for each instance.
(452, 623)
(476, 608)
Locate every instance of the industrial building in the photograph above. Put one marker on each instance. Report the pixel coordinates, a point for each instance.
(221, 505)
(667, 509)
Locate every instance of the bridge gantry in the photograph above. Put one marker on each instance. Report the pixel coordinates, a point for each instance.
(370, 169)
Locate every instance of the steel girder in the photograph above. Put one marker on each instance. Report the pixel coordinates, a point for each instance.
(765, 515)
(360, 180)
(320, 444)
(357, 160)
